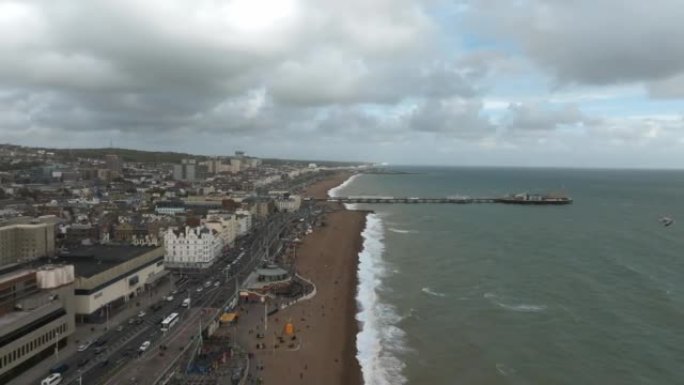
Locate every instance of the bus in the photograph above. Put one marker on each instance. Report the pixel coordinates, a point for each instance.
(169, 321)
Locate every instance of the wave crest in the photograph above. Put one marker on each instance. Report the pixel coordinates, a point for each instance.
(333, 192)
(401, 231)
(429, 291)
(525, 308)
(380, 338)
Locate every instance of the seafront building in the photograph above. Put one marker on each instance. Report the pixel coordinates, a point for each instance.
(192, 247)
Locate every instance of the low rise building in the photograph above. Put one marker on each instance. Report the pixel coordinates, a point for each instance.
(36, 316)
(107, 277)
(288, 203)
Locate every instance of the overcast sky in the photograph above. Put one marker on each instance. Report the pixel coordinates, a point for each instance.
(588, 83)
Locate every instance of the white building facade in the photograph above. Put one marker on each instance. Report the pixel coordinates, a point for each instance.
(192, 247)
(289, 204)
(226, 225)
(244, 222)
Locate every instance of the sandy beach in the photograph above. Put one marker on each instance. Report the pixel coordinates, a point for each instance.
(320, 189)
(325, 324)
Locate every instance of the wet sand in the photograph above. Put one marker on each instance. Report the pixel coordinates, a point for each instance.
(326, 324)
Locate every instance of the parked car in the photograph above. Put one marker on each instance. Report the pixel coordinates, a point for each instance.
(99, 349)
(84, 346)
(61, 368)
(83, 362)
(169, 298)
(141, 314)
(199, 289)
(104, 362)
(100, 341)
(131, 321)
(138, 321)
(144, 346)
(119, 328)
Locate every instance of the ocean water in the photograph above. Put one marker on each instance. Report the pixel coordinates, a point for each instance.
(591, 293)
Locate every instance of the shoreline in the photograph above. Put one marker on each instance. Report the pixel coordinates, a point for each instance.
(326, 324)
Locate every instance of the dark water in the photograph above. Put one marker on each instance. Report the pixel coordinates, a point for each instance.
(591, 293)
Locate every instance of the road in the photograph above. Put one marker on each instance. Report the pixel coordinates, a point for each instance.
(121, 347)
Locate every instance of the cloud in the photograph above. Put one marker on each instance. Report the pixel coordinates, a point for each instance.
(455, 117)
(361, 77)
(594, 42)
(535, 117)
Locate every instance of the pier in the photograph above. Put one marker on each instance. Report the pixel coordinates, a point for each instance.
(522, 199)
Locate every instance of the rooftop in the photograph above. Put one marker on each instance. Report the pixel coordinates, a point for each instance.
(92, 260)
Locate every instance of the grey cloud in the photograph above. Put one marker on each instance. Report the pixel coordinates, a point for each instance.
(670, 88)
(531, 117)
(595, 42)
(456, 117)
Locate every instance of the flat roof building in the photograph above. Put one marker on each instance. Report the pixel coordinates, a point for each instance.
(26, 239)
(108, 276)
(36, 316)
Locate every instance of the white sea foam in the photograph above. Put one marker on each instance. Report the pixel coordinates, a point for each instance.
(333, 192)
(429, 291)
(380, 338)
(525, 308)
(401, 231)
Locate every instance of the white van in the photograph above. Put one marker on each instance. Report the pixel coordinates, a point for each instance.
(53, 379)
(186, 302)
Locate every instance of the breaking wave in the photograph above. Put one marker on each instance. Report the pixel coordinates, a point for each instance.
(379, 338)
(401, 231)
(525, 308)
(429, 291)
(333, 192)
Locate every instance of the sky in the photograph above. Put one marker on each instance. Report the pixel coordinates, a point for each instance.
(561, 83)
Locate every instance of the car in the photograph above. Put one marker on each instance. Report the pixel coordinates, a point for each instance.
(141, 314)
(119, 328)
(199, 289)
(99, 349)
(83, 362)
(144, 346)
(207, 284)
(61, 368)
(174, 292)
(104, 362)
(53, 379)
(138, 321)
(84, 346)
(169, 298)
(156, 306)
(131, 321)
(100, 341)
(217, 283)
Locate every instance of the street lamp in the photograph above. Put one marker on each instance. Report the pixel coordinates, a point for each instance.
(57, 348)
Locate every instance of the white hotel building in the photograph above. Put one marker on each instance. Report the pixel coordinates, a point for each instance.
(192, 247)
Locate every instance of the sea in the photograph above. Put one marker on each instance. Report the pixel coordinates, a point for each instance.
(589, 293)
